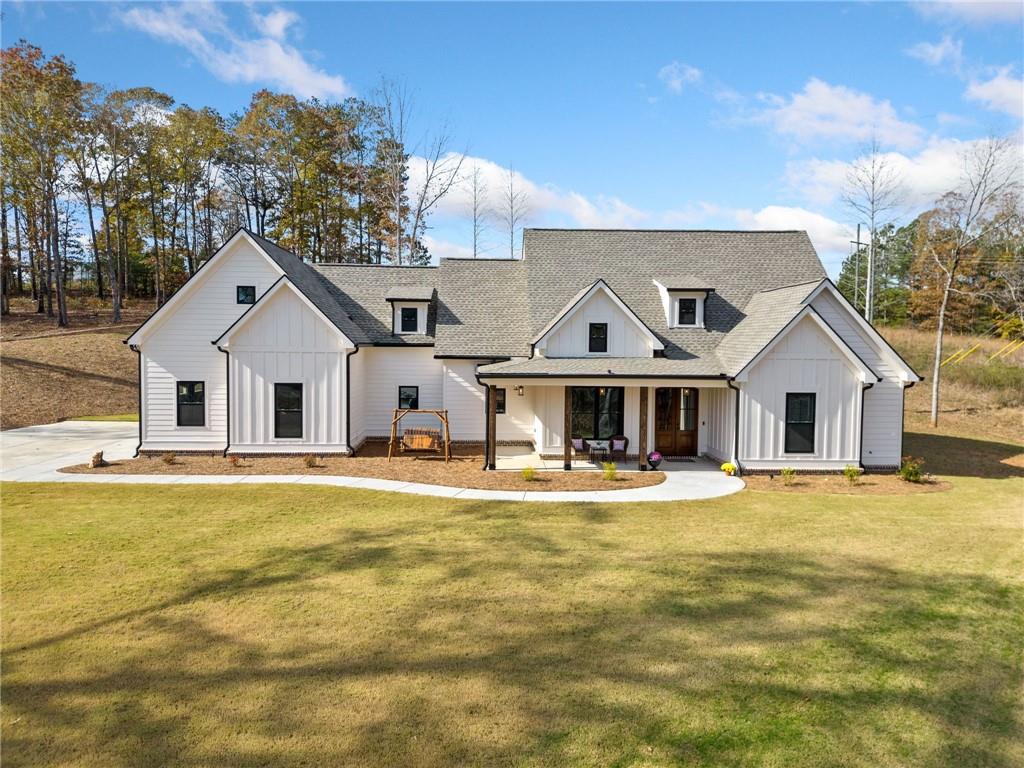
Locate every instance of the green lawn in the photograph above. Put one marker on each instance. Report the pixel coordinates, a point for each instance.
(281, 626)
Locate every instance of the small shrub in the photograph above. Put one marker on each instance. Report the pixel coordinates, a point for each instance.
(729, 468)
(788, 475)
(609, 470)
(910, 469)
(311, 460)
(169, 458)
(234, 461)
(852, 474)
(529, 474)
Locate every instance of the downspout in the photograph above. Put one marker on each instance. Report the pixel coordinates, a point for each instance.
(487, 420)
(227, 413)
(736, 427)
(864, 388)
(134, 348)
(348, 401)
(903, 415)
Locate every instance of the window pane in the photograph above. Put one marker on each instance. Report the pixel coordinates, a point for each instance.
(288, 424)
(800, 408)
(582, 420)
(409, 397)
(499, 400)
(410, 319)
(190, 402)
(598, 337)
(609, 411)
(288, 396)
(245, 294)
(688, 410)
(287, 410)
(687, 311)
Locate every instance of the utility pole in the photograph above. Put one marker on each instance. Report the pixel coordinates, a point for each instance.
(869, 290)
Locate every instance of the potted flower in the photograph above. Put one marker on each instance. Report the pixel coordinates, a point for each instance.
(729, 468)
(654, 459)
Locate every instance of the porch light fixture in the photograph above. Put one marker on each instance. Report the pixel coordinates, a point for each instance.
(520, 390)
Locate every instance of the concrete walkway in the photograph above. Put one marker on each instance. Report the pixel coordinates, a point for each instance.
(34, 454)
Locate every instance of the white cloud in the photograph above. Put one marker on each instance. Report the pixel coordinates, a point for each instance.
(677, 76)
(946, 52)
(202, 29)
(827, 235)
(971, 11)
(824, 111)
(276, 23)
(1003, 93)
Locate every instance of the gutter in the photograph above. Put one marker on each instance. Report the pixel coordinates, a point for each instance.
(135, 348)
(227, 399)
(487, 422)
(864, 388)
(348, 400)
(736, 426)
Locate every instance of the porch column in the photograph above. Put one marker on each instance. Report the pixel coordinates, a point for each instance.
(492, 423)
(643, 428)
(567, 430)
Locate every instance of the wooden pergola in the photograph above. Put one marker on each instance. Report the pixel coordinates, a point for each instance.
(421, 439)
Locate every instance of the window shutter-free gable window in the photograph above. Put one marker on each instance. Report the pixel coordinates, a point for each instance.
(687, 311)
(598, 337)
(409, 398)
(410, 320)
(287, 410)
(800, 414)
(245, 294)
(191, 401)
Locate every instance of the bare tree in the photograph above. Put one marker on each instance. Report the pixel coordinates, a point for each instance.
(394, 103)
(962, 218)
(872, 189)
(515, 208)
(479, 208)
(441, 169)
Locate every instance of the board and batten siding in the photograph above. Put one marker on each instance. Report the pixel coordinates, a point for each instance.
(718, 413)
(572, 338)
(883, 403)
(177, 348)
(284, 341)
(804, 360)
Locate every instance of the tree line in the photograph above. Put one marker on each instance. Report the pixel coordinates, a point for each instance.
(135, 192)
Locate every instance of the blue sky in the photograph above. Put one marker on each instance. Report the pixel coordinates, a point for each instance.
(691, 115)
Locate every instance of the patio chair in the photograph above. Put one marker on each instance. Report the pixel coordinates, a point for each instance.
(618, 448)
(580, 447)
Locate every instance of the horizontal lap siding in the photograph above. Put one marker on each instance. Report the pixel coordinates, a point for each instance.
(805, 360)
(179, 349)
(883, 403)
(464, 399)
(357, 393)
(387, 368)
(286, 342)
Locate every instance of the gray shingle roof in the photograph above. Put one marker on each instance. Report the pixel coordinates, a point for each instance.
(767, 313)
(492, 308)
(362, 291)
(410, 293)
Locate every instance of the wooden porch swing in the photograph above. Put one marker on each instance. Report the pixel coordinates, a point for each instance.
(426, 439)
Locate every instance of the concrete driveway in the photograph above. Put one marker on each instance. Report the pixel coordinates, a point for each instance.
(35, 452)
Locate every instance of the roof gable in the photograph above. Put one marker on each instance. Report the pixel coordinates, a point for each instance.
(283, 284)
(580, 300)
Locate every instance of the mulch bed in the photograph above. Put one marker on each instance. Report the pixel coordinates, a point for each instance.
(464, 470)
(868, 485)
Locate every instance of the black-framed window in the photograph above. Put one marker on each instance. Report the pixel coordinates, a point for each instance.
(800, 408)
(245, 294)
(687, 311)
(410, 321)
(191, 404)
(409, 398)
(287, 410)
(597, 412)
(499, 400)
(598, 337)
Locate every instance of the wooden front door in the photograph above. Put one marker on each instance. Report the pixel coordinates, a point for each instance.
(675, 421)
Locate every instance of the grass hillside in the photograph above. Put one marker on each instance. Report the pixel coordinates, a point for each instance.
(979, 396)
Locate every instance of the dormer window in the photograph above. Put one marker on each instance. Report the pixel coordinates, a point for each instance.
(687, 311)
(410, 319)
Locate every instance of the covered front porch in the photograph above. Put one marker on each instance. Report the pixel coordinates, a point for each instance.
(562, 423)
